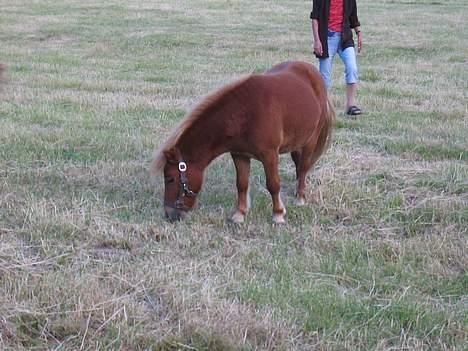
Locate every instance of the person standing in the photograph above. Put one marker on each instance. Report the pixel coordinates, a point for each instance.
(332, 25)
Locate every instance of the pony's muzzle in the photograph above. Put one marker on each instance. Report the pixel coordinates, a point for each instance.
(174, 214)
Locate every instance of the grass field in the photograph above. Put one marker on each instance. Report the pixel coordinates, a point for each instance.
(376, 260)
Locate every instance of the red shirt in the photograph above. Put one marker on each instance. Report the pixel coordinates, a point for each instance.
(335, 20)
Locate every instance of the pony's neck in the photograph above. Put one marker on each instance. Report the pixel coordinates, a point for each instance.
(200, 146)
(214, 121)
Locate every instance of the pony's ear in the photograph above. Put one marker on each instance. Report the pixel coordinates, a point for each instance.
(171, 155)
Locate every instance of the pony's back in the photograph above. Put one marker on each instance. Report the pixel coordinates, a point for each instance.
(286, 106)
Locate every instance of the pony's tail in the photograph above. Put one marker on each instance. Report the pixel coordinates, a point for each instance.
(325, 136)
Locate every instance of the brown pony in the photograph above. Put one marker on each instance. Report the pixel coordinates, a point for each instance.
(286, 109)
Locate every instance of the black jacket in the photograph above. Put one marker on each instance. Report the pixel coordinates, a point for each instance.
(321, 11)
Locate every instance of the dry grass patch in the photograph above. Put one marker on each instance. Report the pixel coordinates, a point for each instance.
(375, 260)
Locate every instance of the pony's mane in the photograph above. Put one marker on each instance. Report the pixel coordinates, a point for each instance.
(159, 159)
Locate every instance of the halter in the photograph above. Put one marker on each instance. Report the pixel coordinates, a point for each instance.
(184, 189)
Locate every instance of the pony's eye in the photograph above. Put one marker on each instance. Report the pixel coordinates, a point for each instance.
(170, 180)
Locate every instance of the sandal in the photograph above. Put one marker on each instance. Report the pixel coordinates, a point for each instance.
(354, 111)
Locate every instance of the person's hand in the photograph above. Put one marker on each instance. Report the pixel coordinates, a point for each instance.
(318, 48)
(359, 41)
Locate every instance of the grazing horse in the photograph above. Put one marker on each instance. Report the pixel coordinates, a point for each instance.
(284, 110)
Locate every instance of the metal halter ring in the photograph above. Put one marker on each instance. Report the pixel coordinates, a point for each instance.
(182, 166)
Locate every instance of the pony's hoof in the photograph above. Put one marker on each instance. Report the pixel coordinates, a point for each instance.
(237, 218)
(278, 218)
(300, 201)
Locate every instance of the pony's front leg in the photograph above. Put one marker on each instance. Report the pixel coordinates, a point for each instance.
(242, 164)
(270, 165)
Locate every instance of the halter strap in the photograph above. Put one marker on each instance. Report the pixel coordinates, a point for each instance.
(184, 189)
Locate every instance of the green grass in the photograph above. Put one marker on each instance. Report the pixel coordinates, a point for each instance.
(344, 298)
(377, 258)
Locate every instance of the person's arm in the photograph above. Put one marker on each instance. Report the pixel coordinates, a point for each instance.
(355, 24)
(314, 16)
(359, 37)
(318, 49)
(353, 17)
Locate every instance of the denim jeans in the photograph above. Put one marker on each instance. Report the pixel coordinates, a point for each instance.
(348, 56)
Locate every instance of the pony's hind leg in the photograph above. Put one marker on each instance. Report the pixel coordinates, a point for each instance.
(302, 170)
(242, 164)
(306, 162)
(296, 157)
(270, 165)
(309, 156)
(301, 173)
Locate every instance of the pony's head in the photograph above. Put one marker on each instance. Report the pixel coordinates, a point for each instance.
(183, 178)
(182, 182)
